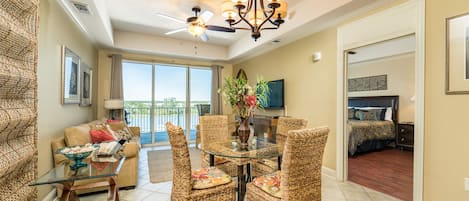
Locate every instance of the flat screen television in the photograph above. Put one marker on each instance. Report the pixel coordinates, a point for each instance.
(275, 99)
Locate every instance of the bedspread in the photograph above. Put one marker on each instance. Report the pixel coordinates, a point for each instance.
(361, 131)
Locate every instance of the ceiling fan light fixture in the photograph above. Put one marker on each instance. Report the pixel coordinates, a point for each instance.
(196, 29)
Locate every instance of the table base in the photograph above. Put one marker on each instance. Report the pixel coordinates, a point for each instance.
(69, 194)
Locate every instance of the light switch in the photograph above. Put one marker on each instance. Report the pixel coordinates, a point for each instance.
(466, 184)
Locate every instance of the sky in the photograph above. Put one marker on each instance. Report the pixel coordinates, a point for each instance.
(170, 82)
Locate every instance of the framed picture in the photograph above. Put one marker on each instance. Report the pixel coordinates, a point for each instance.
(70, 77)
(86, 75)
(457, 54)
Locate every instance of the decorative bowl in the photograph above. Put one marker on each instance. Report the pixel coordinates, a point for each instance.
(77, 154)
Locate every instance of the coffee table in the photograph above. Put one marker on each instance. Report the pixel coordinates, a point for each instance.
(105, 174)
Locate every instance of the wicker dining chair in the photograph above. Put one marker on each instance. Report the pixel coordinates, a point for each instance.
(182, 189)
(300, 177)
(284, 124)
(214, 128)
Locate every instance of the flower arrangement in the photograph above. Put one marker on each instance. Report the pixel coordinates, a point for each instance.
(243, 98)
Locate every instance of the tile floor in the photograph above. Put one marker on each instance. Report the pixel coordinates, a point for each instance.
(146, 191)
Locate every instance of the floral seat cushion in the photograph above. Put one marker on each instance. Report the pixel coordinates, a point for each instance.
(209, 177)
(270, 184)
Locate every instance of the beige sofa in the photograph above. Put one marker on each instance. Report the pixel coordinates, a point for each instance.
(79, 135)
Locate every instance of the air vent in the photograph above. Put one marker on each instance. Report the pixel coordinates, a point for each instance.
(81, 7)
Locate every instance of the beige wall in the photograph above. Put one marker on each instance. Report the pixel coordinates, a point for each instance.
(310, 88)
(401, 80)
(56, 29)
(446, 160)
(104, 63)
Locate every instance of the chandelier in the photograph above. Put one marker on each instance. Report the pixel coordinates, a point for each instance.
(254, 13)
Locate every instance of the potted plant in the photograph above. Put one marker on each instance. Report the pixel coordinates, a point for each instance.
(244, 100)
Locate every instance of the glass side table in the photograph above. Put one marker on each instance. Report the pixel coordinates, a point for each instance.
(63, 177)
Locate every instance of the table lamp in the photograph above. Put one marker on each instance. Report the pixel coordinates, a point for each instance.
(112, 105)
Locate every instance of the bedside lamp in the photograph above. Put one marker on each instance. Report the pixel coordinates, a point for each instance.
(112, 105)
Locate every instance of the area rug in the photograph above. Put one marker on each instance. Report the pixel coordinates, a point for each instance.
(160, 164)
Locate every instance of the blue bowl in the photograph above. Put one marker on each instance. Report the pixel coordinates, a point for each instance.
(77, 158)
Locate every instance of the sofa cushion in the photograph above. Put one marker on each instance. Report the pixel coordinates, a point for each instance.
(77, 135)
(270, 184)
(209, 177)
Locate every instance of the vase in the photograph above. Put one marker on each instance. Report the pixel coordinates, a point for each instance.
(244, 131)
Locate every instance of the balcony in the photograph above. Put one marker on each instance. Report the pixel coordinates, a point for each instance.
(142, 117)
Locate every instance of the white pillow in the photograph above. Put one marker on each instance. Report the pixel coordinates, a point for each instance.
(388, 115)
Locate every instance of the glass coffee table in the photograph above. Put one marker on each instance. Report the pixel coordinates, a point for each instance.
(104, 173)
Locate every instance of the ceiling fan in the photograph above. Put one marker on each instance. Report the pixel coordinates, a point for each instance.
(196, 25)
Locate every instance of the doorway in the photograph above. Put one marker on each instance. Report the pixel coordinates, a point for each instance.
(380, 120)
(157, 93)
(404, 19)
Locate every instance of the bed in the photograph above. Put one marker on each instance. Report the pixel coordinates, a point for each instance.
(375, 125)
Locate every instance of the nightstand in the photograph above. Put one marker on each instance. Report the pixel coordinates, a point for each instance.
(405, 135)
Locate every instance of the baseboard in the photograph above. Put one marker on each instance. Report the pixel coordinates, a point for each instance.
(329, 172)
(51, 196)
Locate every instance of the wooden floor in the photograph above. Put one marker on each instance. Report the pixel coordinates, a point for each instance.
(389, 171)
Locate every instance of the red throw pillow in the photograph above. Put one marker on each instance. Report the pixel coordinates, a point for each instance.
(98, 136)
(110, 121)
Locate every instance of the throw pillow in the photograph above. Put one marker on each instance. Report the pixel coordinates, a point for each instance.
(100, 135)
(124, 134)
(366, 115)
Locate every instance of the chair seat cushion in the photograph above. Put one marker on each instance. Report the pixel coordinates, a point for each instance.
(270, 184)
(209, 177)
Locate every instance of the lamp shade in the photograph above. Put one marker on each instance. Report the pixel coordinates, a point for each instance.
(227, 9)
(113, 104)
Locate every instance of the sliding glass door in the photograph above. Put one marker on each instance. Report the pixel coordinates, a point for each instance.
(170, 99)
(158, 93)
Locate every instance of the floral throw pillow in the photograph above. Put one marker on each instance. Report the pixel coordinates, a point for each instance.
(270, 184)
(209, 177)
(124, 134)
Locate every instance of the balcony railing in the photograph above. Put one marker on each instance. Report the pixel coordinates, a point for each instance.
(142, 118)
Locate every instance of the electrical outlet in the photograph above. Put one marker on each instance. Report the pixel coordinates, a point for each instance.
(466, 184)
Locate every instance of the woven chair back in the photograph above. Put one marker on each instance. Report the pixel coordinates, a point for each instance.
(302, 163)
(286, 124)
(182, 181)
(213, 128)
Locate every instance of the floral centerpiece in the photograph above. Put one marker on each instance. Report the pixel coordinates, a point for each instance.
(244, 100)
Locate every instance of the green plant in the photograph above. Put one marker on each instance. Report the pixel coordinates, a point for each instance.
(243, 98)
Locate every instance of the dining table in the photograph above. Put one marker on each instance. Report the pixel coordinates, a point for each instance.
(258, 148)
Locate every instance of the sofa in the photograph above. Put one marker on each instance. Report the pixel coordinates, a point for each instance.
(79, 135)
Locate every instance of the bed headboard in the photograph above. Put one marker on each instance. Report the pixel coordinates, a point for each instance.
(377, 101)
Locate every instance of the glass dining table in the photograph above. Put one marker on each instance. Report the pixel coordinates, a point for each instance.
(257, 148)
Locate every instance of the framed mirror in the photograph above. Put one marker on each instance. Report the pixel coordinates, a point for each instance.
(70, 77)
(86, 77)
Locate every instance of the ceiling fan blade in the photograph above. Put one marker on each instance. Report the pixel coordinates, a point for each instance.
(171, 18)
(206, 15)
(204, 37)
(219, 28)
(175, 31)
